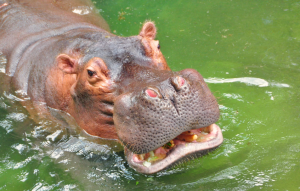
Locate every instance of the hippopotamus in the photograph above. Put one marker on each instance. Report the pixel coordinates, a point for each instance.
(114, 87)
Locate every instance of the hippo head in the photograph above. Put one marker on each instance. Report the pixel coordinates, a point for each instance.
(123, 89)
(167, 120)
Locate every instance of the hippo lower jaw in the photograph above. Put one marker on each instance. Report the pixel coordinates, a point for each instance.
(179, 149)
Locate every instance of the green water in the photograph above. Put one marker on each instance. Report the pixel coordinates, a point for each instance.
(249, 54)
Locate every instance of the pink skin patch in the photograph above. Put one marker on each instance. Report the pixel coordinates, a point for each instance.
(136, 158)
(151, 93)
(160, 151)
(181, 81)
(5, 4)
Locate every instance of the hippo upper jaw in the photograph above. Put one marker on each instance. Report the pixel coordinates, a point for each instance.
(149, 164)
(167, 120)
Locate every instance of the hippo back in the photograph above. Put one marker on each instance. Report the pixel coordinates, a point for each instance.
(31, 17)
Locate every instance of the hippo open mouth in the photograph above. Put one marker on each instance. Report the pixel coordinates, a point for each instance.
(195, 142)
(167, 121)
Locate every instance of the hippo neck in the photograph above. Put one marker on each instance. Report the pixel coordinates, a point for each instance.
(94, 122)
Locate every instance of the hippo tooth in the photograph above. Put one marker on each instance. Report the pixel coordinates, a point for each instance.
(147, 164)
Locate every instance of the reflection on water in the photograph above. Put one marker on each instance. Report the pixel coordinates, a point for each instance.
(247, 80)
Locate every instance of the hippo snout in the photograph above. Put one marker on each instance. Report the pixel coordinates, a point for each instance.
(177, 82)
(149, 118)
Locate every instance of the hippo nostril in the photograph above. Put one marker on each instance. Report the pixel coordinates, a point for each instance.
(178, 82)
(151, 93)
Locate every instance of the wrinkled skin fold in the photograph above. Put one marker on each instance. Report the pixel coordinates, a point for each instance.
(114, 87)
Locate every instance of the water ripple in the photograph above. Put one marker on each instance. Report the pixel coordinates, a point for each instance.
(251, 81)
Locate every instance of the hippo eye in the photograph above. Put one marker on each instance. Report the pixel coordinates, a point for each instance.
(158, 46)
(90, 73)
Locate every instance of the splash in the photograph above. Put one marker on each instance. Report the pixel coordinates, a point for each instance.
(3, 62)
(82, 10)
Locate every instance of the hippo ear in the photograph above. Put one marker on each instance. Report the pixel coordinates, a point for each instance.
(67, 64)
(148, 30)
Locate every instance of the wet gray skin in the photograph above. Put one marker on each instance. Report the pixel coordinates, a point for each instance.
(180, 101)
